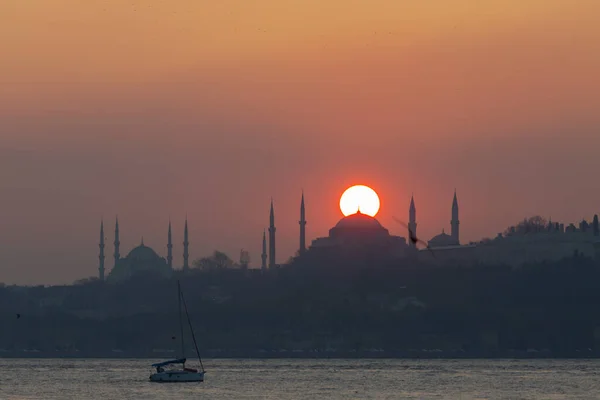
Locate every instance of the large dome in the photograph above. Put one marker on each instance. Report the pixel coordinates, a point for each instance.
(140, 260)
(143, 252)
(358, 220)
(358, 224)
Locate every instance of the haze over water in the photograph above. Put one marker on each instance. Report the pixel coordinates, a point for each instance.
(155, 109)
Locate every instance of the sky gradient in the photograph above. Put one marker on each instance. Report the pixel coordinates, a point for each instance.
(155, 109)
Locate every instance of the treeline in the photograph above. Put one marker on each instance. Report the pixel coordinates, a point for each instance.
(355, 302)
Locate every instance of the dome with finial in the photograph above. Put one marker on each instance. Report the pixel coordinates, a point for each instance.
(143, 252)
(358, 223)
(141, 260)
(441, 240)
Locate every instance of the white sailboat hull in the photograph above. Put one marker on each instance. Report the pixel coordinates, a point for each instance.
(177, 376)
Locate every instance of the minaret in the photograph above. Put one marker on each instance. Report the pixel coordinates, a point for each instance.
(263, 256)
(186, 243)
(412, 222)
(454, 222)
(117, 242)
(101, 256)
(272, 237)
(169, 248)
(302, 223)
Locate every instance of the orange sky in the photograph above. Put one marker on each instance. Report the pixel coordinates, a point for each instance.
(156, 108)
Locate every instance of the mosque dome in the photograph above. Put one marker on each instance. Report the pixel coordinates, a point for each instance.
(140, 260)
(441, 240)
(358, 220)
(361, 224)
(143, 253)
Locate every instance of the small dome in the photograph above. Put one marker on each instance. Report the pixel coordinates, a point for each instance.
(143, 252)
(443, 239)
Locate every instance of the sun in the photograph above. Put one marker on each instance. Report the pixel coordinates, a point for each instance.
(359, 198)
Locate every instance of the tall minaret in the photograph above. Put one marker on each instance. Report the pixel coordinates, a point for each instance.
(454, 223)
(169, 248)
(101, 256)
(412, 221)
(263, 256)
(302, 223)
(186, 243)
(117, 242)
(272, 237)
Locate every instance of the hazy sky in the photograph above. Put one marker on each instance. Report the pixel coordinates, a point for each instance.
(150, 109)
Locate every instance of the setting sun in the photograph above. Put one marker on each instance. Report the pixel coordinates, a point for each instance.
(359, 198)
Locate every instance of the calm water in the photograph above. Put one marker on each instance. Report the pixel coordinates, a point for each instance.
(306, 379)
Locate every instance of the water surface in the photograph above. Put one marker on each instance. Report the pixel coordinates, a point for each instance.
(306, 379)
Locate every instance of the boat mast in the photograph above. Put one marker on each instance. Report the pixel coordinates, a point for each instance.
(192, 330)
(179, 295)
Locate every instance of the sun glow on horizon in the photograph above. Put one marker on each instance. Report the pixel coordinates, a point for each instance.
(359, 198)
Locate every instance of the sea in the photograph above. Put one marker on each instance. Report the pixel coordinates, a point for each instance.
(305, 379)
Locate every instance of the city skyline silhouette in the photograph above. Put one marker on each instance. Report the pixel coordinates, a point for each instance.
(212, 110)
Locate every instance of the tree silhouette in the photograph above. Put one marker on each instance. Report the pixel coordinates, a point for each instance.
(528, 225)
(217, 261)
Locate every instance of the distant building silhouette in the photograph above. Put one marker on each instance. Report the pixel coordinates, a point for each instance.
(101, 256)
(302, 223)
(244, 259)
(531, 240)
(186, 243)
(141, 258)
(117, 243)
(360, 232)
(272, 229)
(169, 248)
(412, 221)
(443, 239)
(263, 256)
(454, 223)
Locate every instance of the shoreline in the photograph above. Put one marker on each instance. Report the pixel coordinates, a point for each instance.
(520, 355)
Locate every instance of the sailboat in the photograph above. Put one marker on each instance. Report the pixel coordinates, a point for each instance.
(182, 373)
